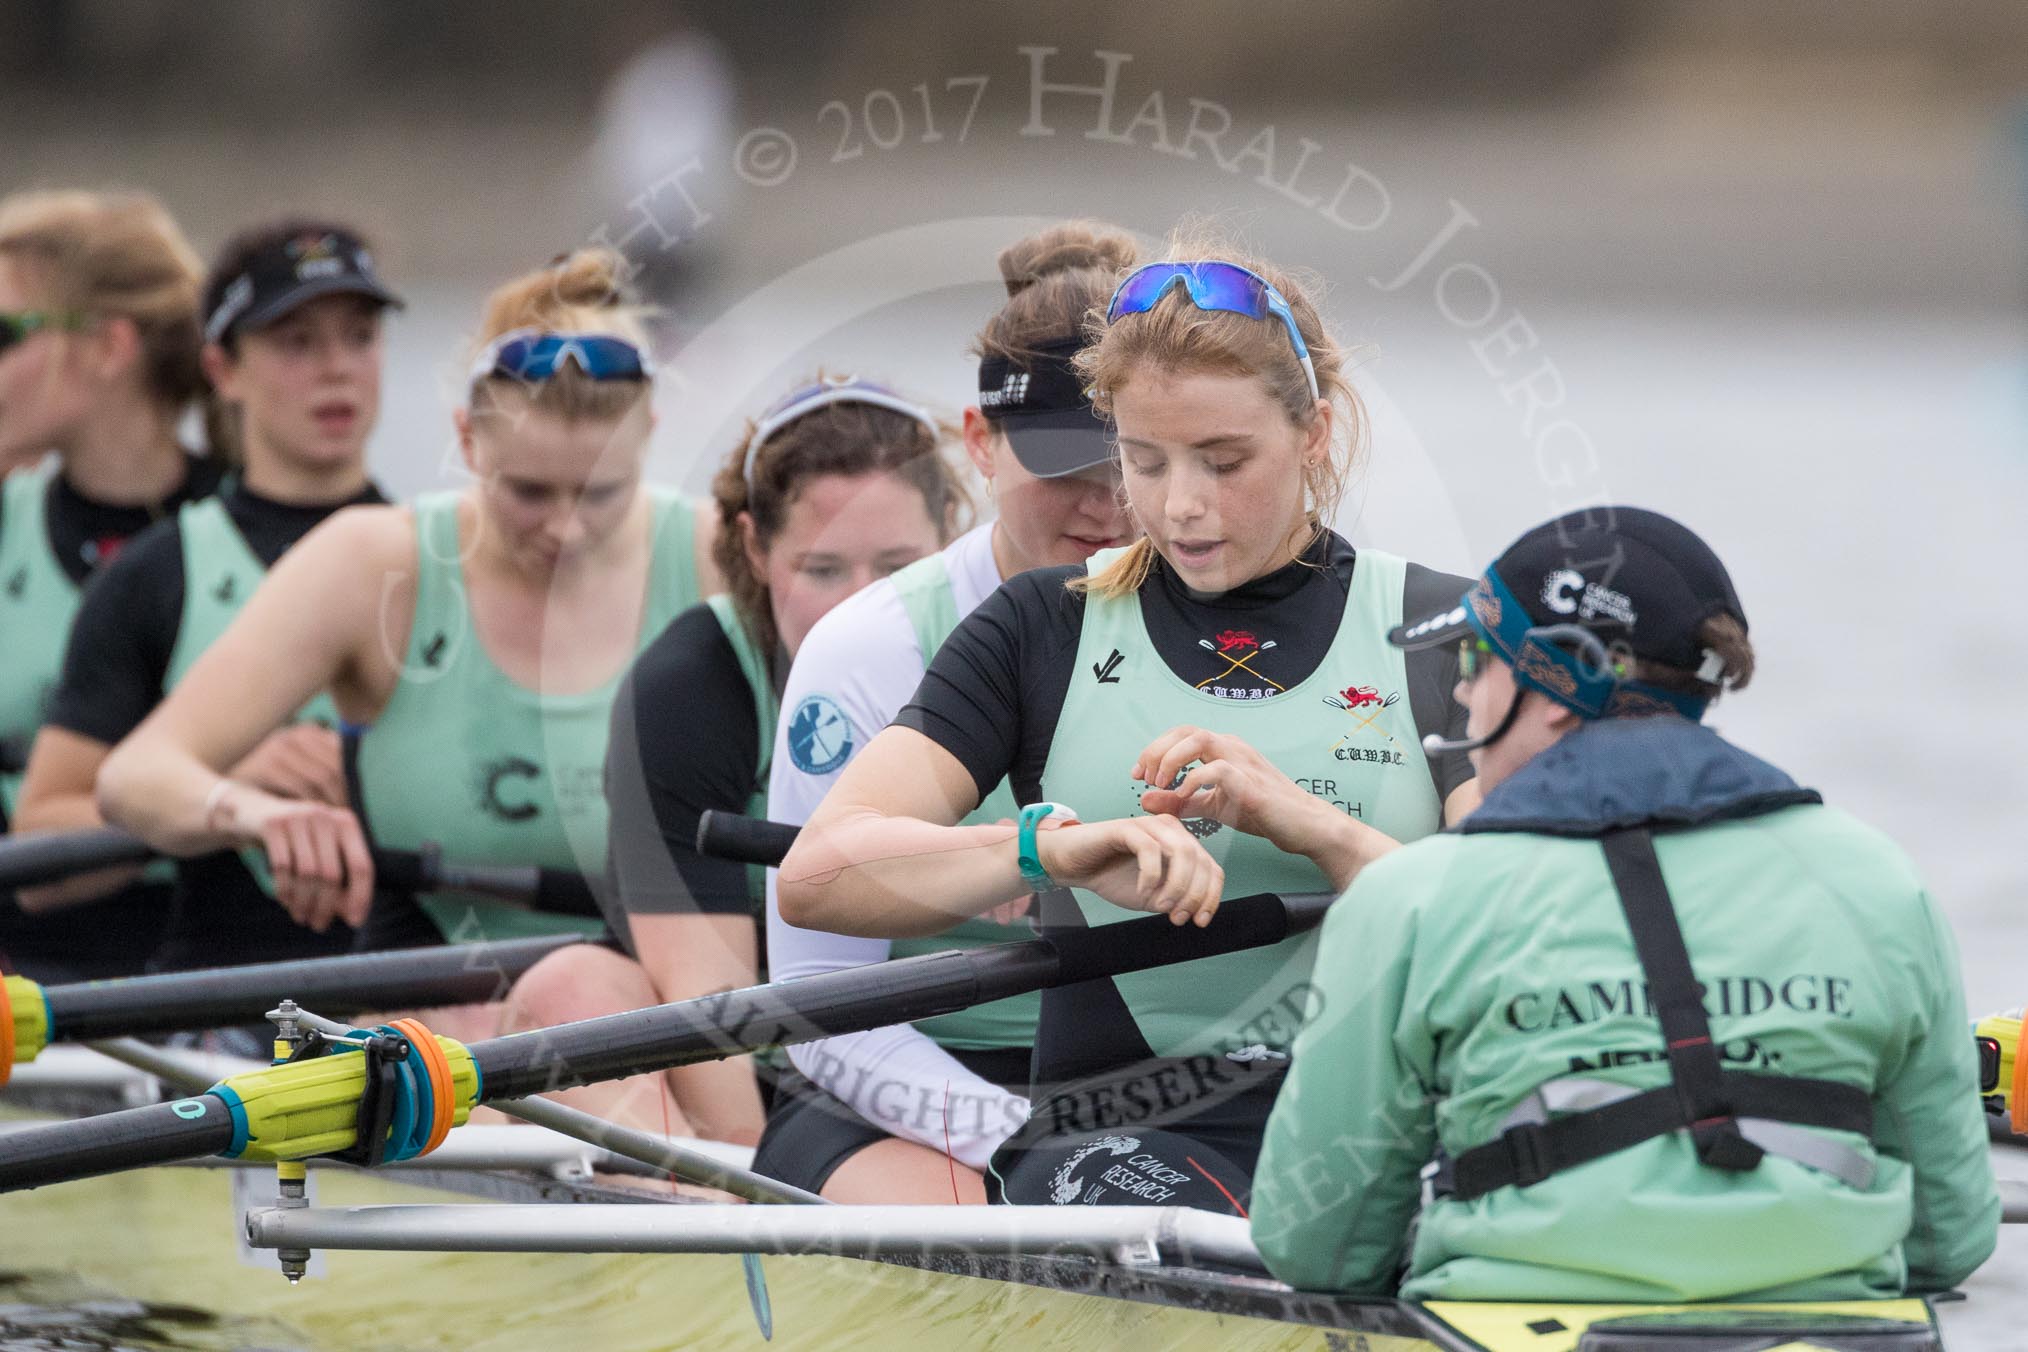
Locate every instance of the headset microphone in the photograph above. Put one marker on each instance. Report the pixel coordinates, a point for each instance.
(1589, 649)
(1434, 745)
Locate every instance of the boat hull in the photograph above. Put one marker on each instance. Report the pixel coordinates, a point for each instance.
(168, 1237)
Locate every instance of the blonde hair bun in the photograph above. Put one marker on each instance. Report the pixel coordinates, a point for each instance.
(581, 292)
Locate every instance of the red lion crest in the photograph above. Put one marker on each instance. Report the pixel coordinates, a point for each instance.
(1361, 697)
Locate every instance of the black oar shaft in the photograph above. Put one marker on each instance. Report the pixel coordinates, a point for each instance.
(857, 999)
(426, 870)
(161, 1133)
(336, 987)
(28, 861)
(746, 1020)
(32, 860)
(696, 1030)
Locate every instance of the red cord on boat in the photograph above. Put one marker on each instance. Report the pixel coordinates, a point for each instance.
(1216, 1184)
(438, 1068)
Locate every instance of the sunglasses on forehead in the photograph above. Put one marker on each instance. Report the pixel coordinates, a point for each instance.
(1213, 286)
(531, 355)
(17, 326)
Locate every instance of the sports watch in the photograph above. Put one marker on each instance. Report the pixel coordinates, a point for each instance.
(1032, 816)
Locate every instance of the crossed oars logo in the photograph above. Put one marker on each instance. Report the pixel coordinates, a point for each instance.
(1354, 698)
(1238, 649)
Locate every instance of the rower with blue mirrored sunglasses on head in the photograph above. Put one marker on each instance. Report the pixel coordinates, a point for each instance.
(1051, 476)
(533, 356)
(471, 642)
(1210, 711)
(1213, 285)
(1676, 1029)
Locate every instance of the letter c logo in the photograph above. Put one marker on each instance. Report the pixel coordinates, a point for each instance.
(1561, 589)
(497, 775)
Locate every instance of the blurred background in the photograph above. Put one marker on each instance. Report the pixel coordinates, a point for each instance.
(1763, 267)
(1757, 266)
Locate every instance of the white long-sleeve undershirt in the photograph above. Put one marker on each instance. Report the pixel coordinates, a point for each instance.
(864, 659)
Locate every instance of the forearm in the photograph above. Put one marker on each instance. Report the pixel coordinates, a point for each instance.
(161, 793)
(857, 871)
(1340, 845)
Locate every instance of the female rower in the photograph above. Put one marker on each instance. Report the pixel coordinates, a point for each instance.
(293, 350)
(1241, 636)
(1789, 1110)
(911, 1113)
(99, 343)
(475, 638)
(837, 485)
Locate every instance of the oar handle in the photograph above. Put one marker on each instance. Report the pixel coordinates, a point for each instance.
(27, 861)
(160, 1133)
(426, 870)
(744, 840)
(32, 860)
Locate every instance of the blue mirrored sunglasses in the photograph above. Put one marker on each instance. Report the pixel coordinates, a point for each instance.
(531, 354)
(1213, 286)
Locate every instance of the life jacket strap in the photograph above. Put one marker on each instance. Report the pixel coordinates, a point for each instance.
(1579, 1094)
(1733, 1117)
(1769, 1113)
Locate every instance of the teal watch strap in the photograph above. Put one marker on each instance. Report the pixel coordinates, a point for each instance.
(1032, 816)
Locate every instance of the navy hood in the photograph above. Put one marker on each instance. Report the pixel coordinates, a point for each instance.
(1619, 772)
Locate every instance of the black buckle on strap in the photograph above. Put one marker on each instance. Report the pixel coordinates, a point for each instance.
(1527, 1148)
(1720, 1145)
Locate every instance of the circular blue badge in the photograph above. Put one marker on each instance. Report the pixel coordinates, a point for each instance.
(820, 736)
